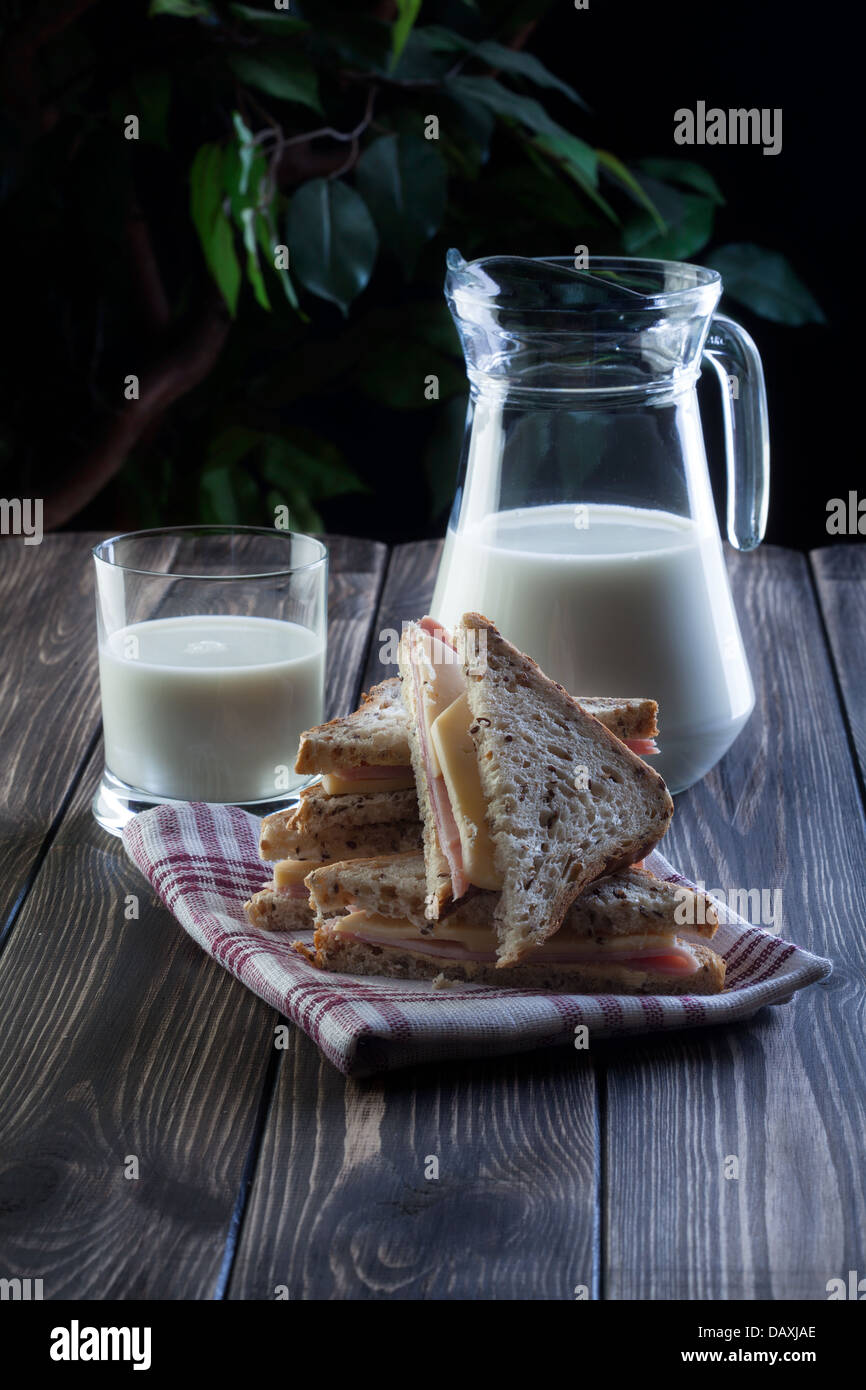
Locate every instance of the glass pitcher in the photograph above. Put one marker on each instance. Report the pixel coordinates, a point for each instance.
(584, 524)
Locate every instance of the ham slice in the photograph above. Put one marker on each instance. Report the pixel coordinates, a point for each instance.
(295, 890)
(644, 747)
(438, 643)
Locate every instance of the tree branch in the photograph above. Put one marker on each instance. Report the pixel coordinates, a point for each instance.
(170, 377)
(147, 280)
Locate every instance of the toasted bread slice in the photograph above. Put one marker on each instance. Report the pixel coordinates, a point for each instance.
(271, 910)
(392, 885)
(325, 827)
(627, 718)
(566, 801)
(347, 955)
(631, 902)
(375, 735)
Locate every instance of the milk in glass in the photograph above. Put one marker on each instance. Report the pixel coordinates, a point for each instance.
(209, 708)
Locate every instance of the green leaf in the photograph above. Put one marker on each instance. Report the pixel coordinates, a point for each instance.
(277, 21)
(503, 102)
(515, 60)
(268, 244)
(223, 262)
(254, 273)
(467, 120)
(579, 164)
(282, 74)
(213, 227)
(301, 460)
(300, 466)
(766, 282)
(404, 183)
(332, 240)
(578, 158)
(303, 467)
(418, 63)
(218, 499)
(533, 192)
(407, 13)
(230, 446)
(206, 189)
(497, 55)
(686, 173)
(688, 227)
(184, 9)
(623, 175)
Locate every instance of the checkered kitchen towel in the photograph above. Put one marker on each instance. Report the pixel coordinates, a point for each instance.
(203, 862)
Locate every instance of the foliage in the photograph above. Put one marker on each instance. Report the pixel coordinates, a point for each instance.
(287, 155)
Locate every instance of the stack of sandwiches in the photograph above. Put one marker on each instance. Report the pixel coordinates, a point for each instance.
(475, 822)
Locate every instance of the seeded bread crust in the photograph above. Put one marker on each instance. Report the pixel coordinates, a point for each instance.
(270, 910)
(335, 952)
(342, 827)
(567, 802)
(374, 734)
(392, 885)
(630, 902)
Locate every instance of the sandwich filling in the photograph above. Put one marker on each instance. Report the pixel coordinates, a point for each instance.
(289, 875)
(643, 747)
(366, 779)
(656, 952)
(450, 762)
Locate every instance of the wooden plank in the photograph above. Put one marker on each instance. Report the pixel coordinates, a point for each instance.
(341, 1207)
(122, 1039)
(407, 593)
(840, 575)
(49, 702)
(357, 571)
(783, 1094)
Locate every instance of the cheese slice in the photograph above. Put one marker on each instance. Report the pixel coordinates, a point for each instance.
(458, 760)
(395, 931)
(442, 681)
(288, 872)
(335, 785)
(400, 932)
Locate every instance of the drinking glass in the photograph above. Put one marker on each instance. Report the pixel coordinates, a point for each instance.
(211, 663)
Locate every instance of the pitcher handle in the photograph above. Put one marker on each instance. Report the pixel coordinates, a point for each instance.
(747, 437)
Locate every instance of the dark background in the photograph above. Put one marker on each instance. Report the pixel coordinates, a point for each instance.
(635, 64)
(805, 201)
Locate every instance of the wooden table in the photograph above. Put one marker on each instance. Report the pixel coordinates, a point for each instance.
(261, 1168)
